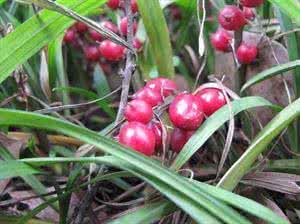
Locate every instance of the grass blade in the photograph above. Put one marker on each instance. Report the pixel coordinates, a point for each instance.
(290, 7)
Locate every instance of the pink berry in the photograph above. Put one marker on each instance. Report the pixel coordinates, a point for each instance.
(95, 35)
(162, 85)
(138, 110)
(231, 18)
(91, 53)
(149, 95)
(179, 138)
(137, 136)
(111, 51)
(212, 99)
(221, 40)
(137, 44)
(110, 26)
(113, 4)
(134, 6)
(246, 53)
(251, 3)
(70, 36)
(123, 26)
(157, 130)
(81, 27)
(249, 13)
(186, 112)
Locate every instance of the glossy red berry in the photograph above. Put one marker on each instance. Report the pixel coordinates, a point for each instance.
(137, 136)
(95, 35)
(246, 53)
(91, 53)
(251, 3)
(157, 130)
(138, 110)
(137, 44)
(162, 85)
(81, 27)
(149, 95)
(110, 26)
(134, 6)
(186, 112)
(111, 51)
(179, 138)
(113, 4)
(220, 40)
(70, 36)
(231, 18)
(249, 13)
(212, 99)
(123, 26)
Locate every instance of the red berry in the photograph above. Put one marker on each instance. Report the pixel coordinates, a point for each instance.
(162, 85)
(212, 99)
(179, 138)
(113, 4)
(138, 110)
(251, 3)
(231, 18)
(249, 13)
(137, 44)
(186, 112)
(157, 130)
(139, 137)
(111, 51)
(91, 53)
(123, 26)
(70, 36)
(221, 40)
(246, 53)
(149, 95)
(95, 35)
(175, 12)
(81, 27)
(134, 6)
(110, 26)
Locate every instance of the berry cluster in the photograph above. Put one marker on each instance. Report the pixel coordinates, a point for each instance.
(95, 47)
(232, 18)
(187, 111)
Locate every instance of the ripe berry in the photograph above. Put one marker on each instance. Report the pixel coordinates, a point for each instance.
(138, 110)
(81, 27)
(113, 4)
(91, 53)
(111, 51)
(157, 130)
(123, 26)
(248, 13)
(70, 36)
(162, 85)
(186, 112)
(231, 18)
(246, 53)
(179, 138)
(149, 95)
(137, 44)
(137, 136)
(95, 35)
(212, 99)
(251, 3)
(134, 6)
(221, 40)
(110, 26)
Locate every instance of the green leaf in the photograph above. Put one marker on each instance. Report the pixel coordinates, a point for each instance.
(7, 169)
(290, 7)
(232, 177)
(158, 33)
(213, 123)
(37, 32)
(269, 73)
